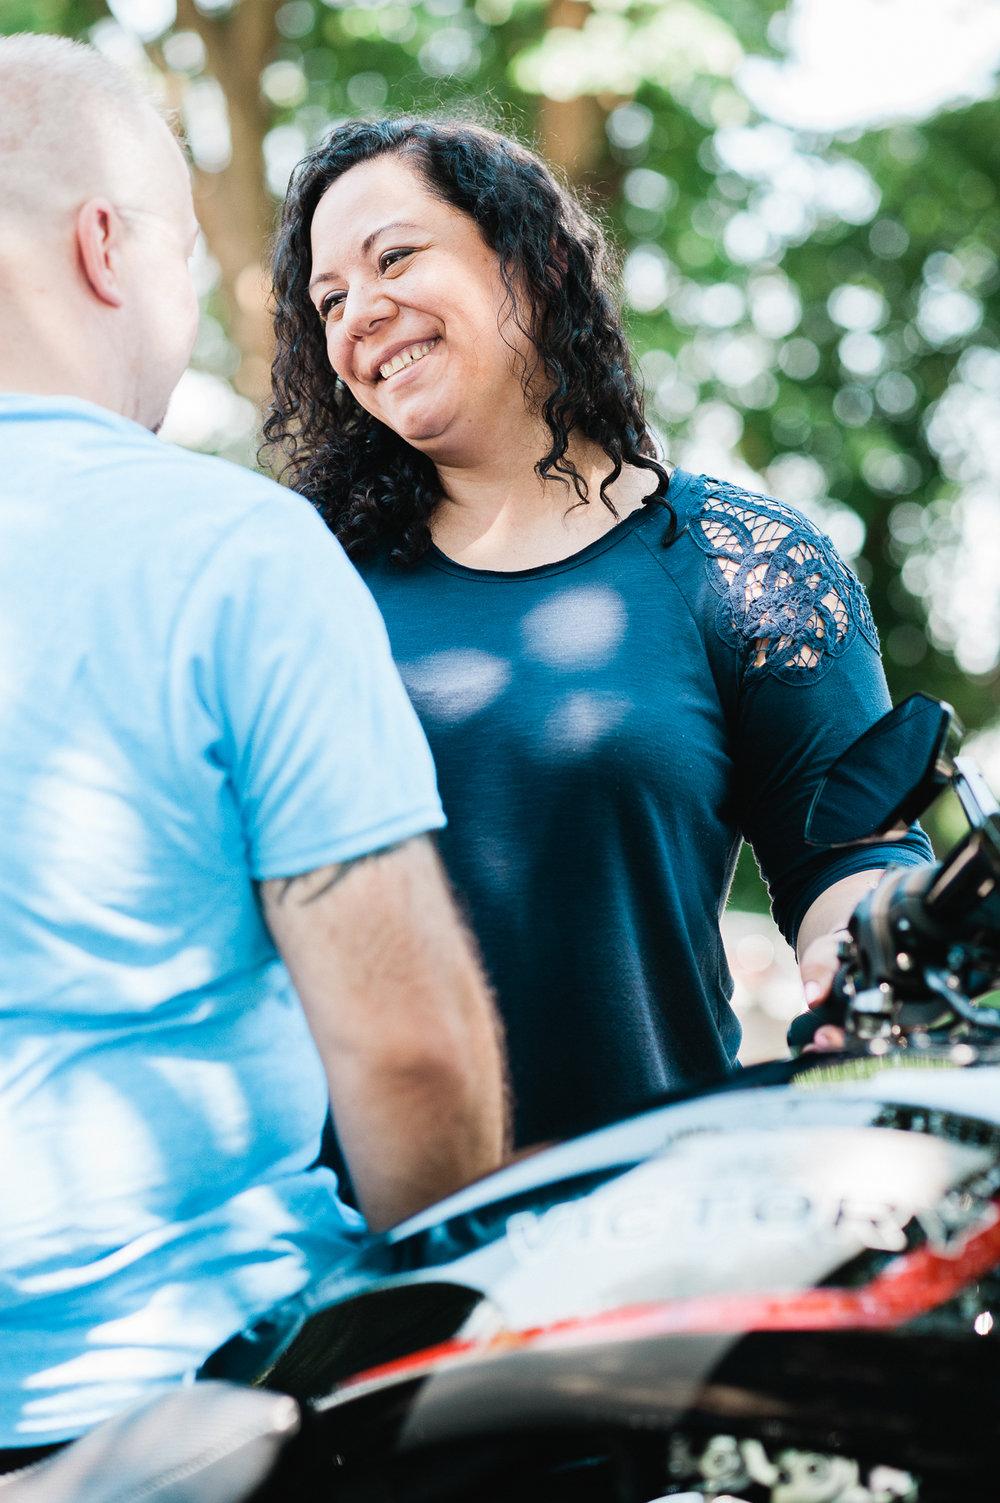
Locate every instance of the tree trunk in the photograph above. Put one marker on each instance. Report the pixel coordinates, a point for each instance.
(572, 130)
(235, 207)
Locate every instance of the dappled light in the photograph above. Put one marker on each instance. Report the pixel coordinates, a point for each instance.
(454, 684)
(580, 721)
(580, 627)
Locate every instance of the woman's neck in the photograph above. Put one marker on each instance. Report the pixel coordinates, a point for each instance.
(502, 515)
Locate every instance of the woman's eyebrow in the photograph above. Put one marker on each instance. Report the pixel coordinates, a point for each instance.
(366, 245)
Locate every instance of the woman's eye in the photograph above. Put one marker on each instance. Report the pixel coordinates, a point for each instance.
(391, 258)
(330, 305)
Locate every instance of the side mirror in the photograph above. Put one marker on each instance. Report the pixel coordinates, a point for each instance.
(888, 777)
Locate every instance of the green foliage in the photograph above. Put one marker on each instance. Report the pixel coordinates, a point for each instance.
(66, 17)
(852, 396)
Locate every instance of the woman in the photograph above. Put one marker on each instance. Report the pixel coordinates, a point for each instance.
(621, 673)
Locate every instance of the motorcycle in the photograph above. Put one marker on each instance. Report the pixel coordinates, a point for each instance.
(780, 1287)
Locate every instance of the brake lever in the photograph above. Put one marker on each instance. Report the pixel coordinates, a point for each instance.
(942, 983)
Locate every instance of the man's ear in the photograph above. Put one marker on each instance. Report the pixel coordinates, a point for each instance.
(99, 233)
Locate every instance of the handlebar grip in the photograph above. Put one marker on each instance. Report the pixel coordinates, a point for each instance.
(802, 1030)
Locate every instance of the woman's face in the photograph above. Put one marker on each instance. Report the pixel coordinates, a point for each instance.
(418, 325)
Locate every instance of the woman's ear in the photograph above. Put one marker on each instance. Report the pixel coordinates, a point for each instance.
(99, 235)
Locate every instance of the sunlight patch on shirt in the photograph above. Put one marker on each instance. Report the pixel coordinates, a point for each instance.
(580, 627)
(55, 1192)
(581, 720)
(212, 1090)
(82, 811)
(451, 686)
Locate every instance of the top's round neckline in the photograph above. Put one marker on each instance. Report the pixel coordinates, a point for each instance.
(609, 539)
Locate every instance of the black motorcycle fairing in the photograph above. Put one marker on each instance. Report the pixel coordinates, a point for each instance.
(602, 1422)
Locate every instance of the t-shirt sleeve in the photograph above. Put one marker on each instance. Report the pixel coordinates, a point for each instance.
(809, 682)
(315, 732)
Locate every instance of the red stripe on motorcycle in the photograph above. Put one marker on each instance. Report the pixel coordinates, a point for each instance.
(909, 1286)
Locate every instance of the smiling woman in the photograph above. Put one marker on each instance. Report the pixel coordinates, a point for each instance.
(622, 673)
(409, 291)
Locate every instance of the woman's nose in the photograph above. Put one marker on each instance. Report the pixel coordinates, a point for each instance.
(364, 307)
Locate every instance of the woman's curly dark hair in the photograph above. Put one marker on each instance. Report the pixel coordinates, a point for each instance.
(371, 487)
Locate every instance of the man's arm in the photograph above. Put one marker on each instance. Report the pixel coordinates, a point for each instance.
(403, 1021)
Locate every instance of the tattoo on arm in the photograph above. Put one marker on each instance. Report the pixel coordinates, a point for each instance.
(309, 886)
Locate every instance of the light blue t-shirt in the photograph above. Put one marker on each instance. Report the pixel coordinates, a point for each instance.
(196, 693)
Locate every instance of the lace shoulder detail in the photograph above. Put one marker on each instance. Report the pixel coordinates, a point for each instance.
(789, 604)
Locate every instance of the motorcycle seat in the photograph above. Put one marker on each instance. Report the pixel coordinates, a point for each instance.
(211, 1442)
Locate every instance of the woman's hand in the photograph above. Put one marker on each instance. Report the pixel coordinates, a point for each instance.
(818, 966)
(819, 938)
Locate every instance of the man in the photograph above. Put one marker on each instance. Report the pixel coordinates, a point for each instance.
(206, 762)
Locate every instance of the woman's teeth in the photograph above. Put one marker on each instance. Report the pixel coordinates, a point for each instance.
(404, 358)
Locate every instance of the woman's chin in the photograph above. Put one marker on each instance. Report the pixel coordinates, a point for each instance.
(425, 432)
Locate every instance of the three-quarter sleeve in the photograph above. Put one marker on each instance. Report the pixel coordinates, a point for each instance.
(809, 681)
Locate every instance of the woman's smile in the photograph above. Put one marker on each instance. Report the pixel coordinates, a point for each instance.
(406, 358)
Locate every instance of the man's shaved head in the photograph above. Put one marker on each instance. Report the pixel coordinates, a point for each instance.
(72, 125)
(97, 227)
